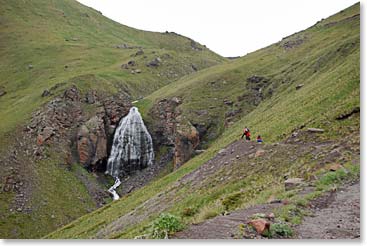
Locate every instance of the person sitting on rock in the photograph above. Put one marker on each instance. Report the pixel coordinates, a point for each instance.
(259, 139)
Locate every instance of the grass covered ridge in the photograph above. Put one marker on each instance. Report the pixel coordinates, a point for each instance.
(327, 63)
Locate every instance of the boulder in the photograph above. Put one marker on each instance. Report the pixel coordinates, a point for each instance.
(155, 62)
(139, 52)
(293, 183)
(260, 225)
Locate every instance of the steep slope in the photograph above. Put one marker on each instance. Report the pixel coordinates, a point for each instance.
(46, 42)
(64, 65)
(263, 87)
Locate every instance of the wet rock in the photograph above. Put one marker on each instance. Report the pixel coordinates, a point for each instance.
(293, 183)
(260, 225)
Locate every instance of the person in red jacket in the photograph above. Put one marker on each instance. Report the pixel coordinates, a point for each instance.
(246, 132)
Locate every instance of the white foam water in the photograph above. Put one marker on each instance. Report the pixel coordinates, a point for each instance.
(132, 148)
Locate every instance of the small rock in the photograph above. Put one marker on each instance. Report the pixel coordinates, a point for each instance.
(285, 202)
(19, 209)
(131, 63)
(260, 225)
(222, 152)
(199, 151)
(130, 189)
(30, 66)
(139, 52)
(317, 130)
(275, 201)
(45, 93)
(299, 86)
(260, 152)
(270, 216)
(335, 167)
(293, 183)
(52, 216)
(237, 157)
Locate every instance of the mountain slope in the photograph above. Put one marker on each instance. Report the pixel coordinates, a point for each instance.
(49, 48)
(322, 60)
(46, 42)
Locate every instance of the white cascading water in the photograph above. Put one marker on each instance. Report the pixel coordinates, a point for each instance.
(132, 148)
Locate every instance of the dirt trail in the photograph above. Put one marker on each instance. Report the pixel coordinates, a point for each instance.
(336, 218)
(224, 227)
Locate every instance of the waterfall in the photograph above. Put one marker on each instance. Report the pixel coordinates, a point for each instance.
(132, 148)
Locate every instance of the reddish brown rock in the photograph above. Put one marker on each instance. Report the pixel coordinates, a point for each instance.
(92, 142)
(335, 166)
(260, 152)
(260, 225)
(186, 140)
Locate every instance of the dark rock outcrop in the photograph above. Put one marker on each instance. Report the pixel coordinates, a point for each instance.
(172, 130)
(87, 134)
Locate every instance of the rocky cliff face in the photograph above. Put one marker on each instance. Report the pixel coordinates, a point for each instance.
(86, 133)
(172, 130)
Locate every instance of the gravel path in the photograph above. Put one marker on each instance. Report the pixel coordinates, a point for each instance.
(339, 219)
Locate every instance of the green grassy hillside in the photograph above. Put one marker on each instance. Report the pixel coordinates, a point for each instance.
(46, 42)
(324, 58)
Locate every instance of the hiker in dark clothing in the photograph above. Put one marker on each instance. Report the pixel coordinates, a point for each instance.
(245, 130)
(248, 134)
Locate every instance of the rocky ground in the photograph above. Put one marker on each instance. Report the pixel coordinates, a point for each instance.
(333, 215)
(336, 217)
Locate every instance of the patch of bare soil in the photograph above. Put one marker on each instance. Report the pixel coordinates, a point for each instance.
(335, 216)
